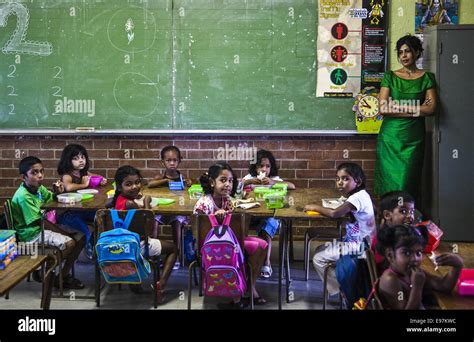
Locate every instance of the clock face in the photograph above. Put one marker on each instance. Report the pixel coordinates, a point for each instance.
(368, 106)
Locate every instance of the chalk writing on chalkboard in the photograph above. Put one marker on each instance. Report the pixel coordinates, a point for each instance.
(17, 42)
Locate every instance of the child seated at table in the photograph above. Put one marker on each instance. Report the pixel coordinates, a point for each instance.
(350, 181)
(171, 158)
(127, 196)
(73, 168)
(26, 212)
(265, 172)
(219, 183)
(402, 284)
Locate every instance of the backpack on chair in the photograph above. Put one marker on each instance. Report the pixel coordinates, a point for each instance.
(222, 261)
(119, 253)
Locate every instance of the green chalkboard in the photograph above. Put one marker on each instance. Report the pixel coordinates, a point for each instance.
(163, 64)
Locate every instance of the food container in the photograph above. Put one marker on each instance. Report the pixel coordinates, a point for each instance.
(195, 191)
(94, 181)
(275, 199)
(466, 282)
(262, 191)
(332, 203)
(69, 198)
(280, 186)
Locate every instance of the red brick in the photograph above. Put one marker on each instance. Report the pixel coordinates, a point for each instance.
(97, 154)
(189, 164)
(295, 145)
(322, 183)
(339, 162)
(154, 164)
(107, 144)
(212, 145)
(332, 155)
(85, 142)
(6, 144)
(11, 154)
(286, 174)
(368, 165)
(27, 144)
(270, 145)
(362, 155)
(300, 183)
(329, 174)
(42, 154)
(195, 173)
(284, 154)
(139, 164)
(348, 145)
(53, 144)
(144, 154)
(294, 164)
(118, 154)
(106, 164)
(200, 154)
(159, 144)
(370, 144)
(50, 163)
(5, 182)
(9, 173)
(132, 144)
(321, 164)
(9, 163)
(322, 145)
(308, 173)
(309, 155)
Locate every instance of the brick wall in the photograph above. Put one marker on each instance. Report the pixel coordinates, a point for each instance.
(306, 161)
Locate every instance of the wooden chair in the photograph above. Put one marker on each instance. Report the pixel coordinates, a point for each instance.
(56, 252)
(320, 234)
(375, 303)
(239, 224)
(142, 224)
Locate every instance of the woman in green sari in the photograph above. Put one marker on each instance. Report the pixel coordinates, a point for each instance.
(406, 96)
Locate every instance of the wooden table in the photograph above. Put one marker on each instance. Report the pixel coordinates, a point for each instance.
(452, 301)
(297, 199)
(21, 267)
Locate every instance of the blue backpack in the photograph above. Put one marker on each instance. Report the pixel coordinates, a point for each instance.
(119, 254)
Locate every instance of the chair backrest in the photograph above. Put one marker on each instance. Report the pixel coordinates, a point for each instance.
(142, 222)
(370, 259)
(7, 208)
(238, 223)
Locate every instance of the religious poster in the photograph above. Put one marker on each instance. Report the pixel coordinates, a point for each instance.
(351, 46)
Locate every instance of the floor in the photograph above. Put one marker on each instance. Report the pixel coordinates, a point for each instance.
(306, 295)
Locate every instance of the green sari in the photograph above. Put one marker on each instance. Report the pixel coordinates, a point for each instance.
(400, 143)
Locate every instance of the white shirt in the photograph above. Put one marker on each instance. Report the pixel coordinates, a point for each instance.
(364, 216)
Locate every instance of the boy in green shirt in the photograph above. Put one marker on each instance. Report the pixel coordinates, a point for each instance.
(26, 213)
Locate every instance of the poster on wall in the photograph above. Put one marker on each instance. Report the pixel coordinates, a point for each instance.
(434, 12)
(351, 46)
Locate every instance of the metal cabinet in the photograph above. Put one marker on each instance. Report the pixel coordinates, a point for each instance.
(448, 172)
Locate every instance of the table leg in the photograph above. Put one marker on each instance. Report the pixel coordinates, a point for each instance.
(281, 260)
(287, 258)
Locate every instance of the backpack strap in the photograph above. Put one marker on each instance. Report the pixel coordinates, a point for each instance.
(118, 222)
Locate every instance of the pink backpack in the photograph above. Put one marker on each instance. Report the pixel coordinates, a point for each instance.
(222, 261)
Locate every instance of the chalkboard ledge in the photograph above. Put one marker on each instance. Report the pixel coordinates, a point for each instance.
(137, 132)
